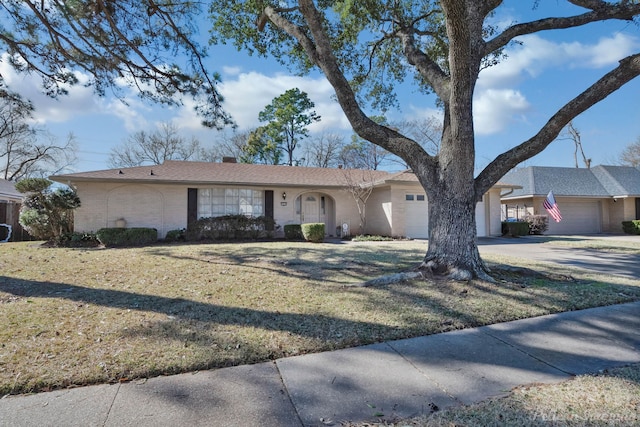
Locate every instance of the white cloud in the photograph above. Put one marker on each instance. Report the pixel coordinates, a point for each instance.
(494, 109)
(497, 102)
(231, 71)
(536, 55)
(250, 92)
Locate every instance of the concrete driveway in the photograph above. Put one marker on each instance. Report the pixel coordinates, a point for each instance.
(534, 247)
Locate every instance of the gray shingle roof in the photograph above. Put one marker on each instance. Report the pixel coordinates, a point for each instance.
(599, 181)
(8, 191)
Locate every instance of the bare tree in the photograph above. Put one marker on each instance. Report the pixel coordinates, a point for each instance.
(427, 130)
(154, 148)
(359, 183)
(227, 145)
(570, 132)
(362, 154)
(323, 151)
(630, 156)
(25, 151)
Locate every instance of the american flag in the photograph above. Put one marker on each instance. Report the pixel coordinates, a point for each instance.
(552, 207)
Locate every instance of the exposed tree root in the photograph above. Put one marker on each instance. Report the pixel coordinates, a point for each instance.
(391, 279)
(429, 270)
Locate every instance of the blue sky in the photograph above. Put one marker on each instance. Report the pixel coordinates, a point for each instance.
(512, 100)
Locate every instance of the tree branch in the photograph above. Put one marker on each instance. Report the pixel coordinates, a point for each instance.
(601, 11)
(627, 70)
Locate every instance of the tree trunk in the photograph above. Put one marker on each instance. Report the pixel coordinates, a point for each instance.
(453, 250)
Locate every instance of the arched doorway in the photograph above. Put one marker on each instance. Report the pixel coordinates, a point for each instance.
(317, 207)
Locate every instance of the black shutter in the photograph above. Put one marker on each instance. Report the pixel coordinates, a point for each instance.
(268, 204)
(637, 207)
(192, 205)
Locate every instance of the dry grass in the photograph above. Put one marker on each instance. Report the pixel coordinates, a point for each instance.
(611, 398)
(81, 316)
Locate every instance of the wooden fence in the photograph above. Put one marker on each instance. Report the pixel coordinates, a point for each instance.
(9, 214)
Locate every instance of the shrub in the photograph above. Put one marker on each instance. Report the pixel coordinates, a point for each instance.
(538, 224)
(76, 240)
(230, 227)
(515, 228)
(137, 236)
(46, 213)
(370, 238)
(293, 232)
(313, 232)
(175, 235)
(631, 227)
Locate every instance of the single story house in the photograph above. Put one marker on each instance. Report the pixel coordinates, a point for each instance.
(172, 195)
(594, 200)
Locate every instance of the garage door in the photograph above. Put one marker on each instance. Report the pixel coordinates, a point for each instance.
(416, 216)
(577, 218)
(481, 219)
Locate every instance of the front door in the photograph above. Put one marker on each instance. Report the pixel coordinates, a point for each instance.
(310, 209)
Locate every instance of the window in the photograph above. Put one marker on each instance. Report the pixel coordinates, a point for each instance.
(420, 197)
(229, 201)
(409, 197)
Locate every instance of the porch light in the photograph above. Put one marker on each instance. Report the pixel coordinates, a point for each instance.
(284, 195)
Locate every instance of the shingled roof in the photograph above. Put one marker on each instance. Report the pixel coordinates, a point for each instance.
(599, 181)
(203, 173)
(8, 191)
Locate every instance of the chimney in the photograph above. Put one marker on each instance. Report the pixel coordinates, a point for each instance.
(229, 160)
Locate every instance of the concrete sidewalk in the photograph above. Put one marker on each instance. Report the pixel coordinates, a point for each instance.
(395, 379)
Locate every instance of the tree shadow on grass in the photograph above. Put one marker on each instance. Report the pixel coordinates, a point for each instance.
(180, 308)
(326, 263)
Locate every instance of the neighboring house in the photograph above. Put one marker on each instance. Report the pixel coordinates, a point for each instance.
(8, 192)
(594, 200)
(176, 193)
(10, 200)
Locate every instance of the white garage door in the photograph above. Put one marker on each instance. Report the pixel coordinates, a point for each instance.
(481, 219)
(577, 218)
(416, 216)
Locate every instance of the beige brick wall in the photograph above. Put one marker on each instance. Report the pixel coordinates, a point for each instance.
(379, 215)
(160, 206)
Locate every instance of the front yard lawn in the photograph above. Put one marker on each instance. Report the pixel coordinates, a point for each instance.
(73, 317)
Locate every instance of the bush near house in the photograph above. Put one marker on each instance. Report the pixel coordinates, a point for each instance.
(515, 228)
(313, 232)
(76, 240)
(631, 227)
(538, 224)
(293, 232)
(231, 227)
(176, 235)
(136, 236)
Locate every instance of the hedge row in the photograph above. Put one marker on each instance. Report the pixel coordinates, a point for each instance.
(231, 227)
(631, 227)
(136, 236)
(532, 224)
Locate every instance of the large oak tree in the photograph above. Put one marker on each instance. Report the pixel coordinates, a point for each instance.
(364, 47)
